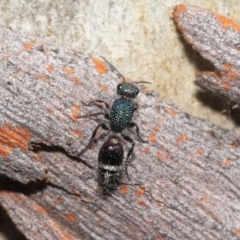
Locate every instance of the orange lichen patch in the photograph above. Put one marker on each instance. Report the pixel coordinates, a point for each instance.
(210, 133)
(50, 84)
(64, 235)
(178, 10)
(162, 156)
(46, 49)
(40, 209)
(99, 222)
(13, 137)
(75, 109)
(226, 22)
(230, 75)
(103, 87)
(74, 192)
(234, 144)
(145, 90)
(171, 112)
(128, 79)
(5, 57)
(237, 47)
(156, 128)
(50, 111)
(227, 162)
(205, 199)
(237, 232)
(58, 201)
(140, 192)
(152, 137)
(124, 189)
(145, 151)
(160, 237)
(78, 132)
(50, 68)
(209, 74)
(29, 46)
(200, 151)
(72, 218)
(227, 67)
(225, 86)
(76, 81)
(12, 196)
(41, 77)
(100, 66)
(37, 157)
(68, 70)
(86, 200)
(182, 138)
(142, 204)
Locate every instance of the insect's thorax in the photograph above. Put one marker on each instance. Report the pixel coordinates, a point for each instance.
(121, 114)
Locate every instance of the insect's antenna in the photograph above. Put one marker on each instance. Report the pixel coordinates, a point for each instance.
(113, 68)
(142, 82)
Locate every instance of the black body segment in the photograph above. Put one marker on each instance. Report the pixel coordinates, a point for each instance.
(108, 181)
(111, 153)
(121, 114)
(110, 159)
(127, 90)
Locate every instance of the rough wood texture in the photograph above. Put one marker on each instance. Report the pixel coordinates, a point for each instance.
(183, 184)
(217, 39)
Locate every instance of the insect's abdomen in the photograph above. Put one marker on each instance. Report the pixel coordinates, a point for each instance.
(110, 159)
(121, 114)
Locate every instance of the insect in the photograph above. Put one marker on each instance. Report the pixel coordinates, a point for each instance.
(121, 114)
(110, 159)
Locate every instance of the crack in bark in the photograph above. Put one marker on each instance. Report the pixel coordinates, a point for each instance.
(38, 147)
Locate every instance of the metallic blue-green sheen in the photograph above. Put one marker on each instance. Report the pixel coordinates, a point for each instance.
(121, 114)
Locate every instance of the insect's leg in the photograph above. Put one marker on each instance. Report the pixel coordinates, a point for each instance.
(106, 115)
(96, 102)
(135, 107)
(103, 126)
(133, 124)
(128, 139)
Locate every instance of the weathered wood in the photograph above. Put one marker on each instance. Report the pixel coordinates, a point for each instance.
(217, 39)
(183, 183)
(22, 209)
(6, 224)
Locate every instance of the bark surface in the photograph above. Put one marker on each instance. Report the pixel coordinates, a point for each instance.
(217, 39)
(184, 183)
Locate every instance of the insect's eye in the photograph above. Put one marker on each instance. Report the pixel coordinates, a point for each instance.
(119, 86)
